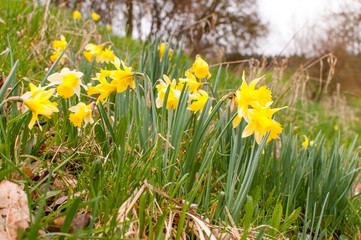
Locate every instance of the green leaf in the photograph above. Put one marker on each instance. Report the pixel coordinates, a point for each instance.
(276, 219)
(7, 82)
(291, 219)
(247, 219)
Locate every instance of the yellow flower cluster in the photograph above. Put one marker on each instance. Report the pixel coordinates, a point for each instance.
(197, 97)
(59, 46)
(254, 105)
(93, 50)
(68, 83)
(121, 79)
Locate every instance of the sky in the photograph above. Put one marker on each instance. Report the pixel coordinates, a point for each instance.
(285, 18)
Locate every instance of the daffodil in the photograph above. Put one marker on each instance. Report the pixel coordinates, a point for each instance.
(60, 44)
(122, 78)
(95, 16)
(248, 96)
(275, 130)
(107, 55)
(161, 51)
(173, 95)
(76, 14)
(198, 99)
(104, 88)
(93, 50)
(55, 56)
(68, 82)
(37, 100)
(305, 143)
(200, 68)
(260, 122)
(81, 112)
(191, 81)
(109, 27)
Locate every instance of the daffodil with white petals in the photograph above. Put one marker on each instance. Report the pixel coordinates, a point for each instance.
(68, 82)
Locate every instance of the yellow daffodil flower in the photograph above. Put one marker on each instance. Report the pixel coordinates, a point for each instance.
(81, 112)
(60, 44)
(200, 68)
(55, 56)
(260, 122)
(95, 16)
(161, 51)
(191, 81)
(305, 143)
(76, 14)
(37, 100)
(109, 27)
(173, 95)
(68, 82)
(198, 99)
(335, 127)
(248, 96)
(93, 50)
(107, 55)
(104, 88)
(122, 78)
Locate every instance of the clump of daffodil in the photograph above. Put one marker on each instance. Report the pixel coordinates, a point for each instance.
(68, 82)
(162, 49)
(104, 89)
(37, 100)
(95, 16)
(198, 100)
(173, 96)
(76, 14)
(247, 96)
(200, 68)
(81, 112)
(254, 105)
(59, 46)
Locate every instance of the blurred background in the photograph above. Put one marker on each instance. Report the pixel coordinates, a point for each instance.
(231, 30)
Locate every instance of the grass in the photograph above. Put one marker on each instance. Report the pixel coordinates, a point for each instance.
(141, 172)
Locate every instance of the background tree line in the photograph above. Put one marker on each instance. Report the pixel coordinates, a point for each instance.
(208, 26)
